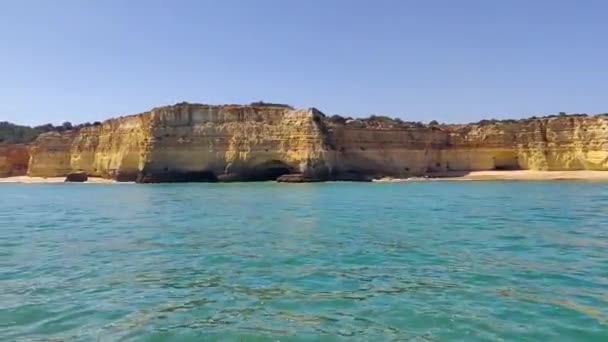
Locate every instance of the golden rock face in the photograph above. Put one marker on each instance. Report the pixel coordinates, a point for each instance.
(558, 143)
(234, 139)
(13, 160)
(258, 142)
(50, 155)
(117, 148)
(239, 140)
(358, 147)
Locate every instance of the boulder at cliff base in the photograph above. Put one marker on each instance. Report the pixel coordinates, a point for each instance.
(77, 177)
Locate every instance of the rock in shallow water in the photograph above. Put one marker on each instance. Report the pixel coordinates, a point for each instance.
(77, 177)
(230, 177)
(298, 178)
(125, 176)
(345, 177)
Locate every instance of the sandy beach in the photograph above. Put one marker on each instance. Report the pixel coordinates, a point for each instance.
(26, 179)
(521, 175)
(531, 175)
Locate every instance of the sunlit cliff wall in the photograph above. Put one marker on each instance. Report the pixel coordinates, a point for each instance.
(239, 142)
(257, 142)
(384, 150)
(557, 143)
(232, 142)
(50, 155)
(118, 148)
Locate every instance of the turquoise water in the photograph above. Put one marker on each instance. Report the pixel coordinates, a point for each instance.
(421, 261)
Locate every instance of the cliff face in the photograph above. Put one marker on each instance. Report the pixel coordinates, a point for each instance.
(558, 143)
(118, 148)
(379, 150)
(227, 142)
(261, 142)
(235, 142)
(50, 155)
(14, 159)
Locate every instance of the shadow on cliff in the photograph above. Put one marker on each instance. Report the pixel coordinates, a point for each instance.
(267, 171)
(447, 174)
(176, 177)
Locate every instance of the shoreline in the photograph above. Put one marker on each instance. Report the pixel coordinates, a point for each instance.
(530, 175)
(515, 175)
(51, 180)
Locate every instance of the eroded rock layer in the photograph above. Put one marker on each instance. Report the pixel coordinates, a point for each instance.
(235, 142)
(14, 160)
(194, 142)
(50, 155)
(118, 148)
(557, 143)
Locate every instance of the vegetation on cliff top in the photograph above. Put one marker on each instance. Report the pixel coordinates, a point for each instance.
(270, 104)
(253, 104)
(505, 121)
(18, 134)
(384, 121)
(376, 120)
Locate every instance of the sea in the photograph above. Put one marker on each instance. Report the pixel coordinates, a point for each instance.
(410, 261)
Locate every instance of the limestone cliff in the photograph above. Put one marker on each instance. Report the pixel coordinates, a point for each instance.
(14, 159)
(118, 148)
(397, 149)
(264, 141)
(50, 155)
(235, 142)
(383, 149)
(556, 143)
(232, 142)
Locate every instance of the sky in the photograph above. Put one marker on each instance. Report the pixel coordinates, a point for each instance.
(452, 61)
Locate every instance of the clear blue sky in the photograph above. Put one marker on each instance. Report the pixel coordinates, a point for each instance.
(454, 61)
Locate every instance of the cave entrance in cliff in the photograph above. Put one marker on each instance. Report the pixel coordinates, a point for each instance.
(506, 164)
(270, 170)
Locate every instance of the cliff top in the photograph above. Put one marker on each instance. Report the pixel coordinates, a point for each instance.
(258, 104)
(13, 134)
(17, 134)
(383, 121)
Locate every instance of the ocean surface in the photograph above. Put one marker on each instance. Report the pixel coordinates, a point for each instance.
(412, 261)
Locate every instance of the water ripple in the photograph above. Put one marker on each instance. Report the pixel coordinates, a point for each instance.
(419, 261)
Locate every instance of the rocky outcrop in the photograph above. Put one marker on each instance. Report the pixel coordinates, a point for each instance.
(77, 177)
(401, 149)
(558, 143)
(189, 142)
(50, 155)
(14, 159)
(383, 149)
(117, 148)
(298, 178)
(257, 142)
(194, 142)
